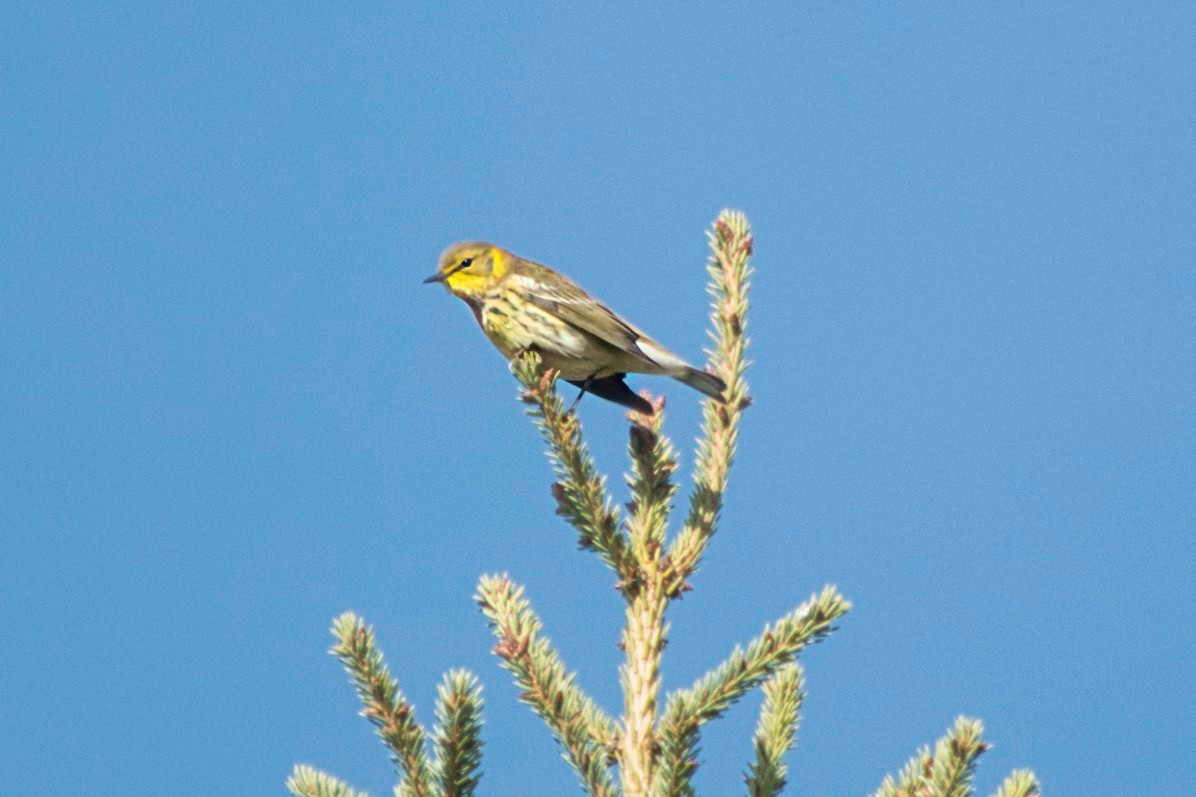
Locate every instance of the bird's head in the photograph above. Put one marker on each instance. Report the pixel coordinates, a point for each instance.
(469, 269)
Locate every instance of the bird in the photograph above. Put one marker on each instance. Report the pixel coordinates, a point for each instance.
(524, 306)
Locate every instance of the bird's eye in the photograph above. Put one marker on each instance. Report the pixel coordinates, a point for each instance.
(465, 263)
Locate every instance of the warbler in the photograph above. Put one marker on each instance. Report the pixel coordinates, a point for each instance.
(524, 306)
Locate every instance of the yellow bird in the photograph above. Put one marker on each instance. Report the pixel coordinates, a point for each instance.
(524, 306)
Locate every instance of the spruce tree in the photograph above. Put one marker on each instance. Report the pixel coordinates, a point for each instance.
(650, 751)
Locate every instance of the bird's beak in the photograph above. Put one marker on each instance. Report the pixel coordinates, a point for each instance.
(434, 278)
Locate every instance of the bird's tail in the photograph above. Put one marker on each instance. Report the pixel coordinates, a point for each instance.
(702, 381)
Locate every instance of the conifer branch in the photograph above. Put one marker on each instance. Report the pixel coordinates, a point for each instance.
(385, 706)
(585, 733)
(911, 779)
(955, 758)
(307, 781)
(1020, 783)
(457, 766)
(652, 464)
(689, 709)
(731, 249)
(580, 491)
(948, 773)
(775, 732)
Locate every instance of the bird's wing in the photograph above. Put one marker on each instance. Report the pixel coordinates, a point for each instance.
(577, 308)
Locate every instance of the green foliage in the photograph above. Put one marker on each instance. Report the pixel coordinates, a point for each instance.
(955, 759)
(776, 732)
(714, 693)
(948, 773)
(385, 705)
(1020, 783)
(458, 734)
(579, 726)
(653, 462)
(309, 782)
(455, 770)
(648, 751)
(580, 491)
(729, 268)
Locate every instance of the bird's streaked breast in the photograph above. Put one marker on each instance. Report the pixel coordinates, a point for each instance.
(517, 325)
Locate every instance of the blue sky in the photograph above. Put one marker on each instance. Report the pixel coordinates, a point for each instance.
(229, 411)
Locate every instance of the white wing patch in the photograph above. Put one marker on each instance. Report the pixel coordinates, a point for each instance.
(665, 359)
(538, 288)
(572, 344)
